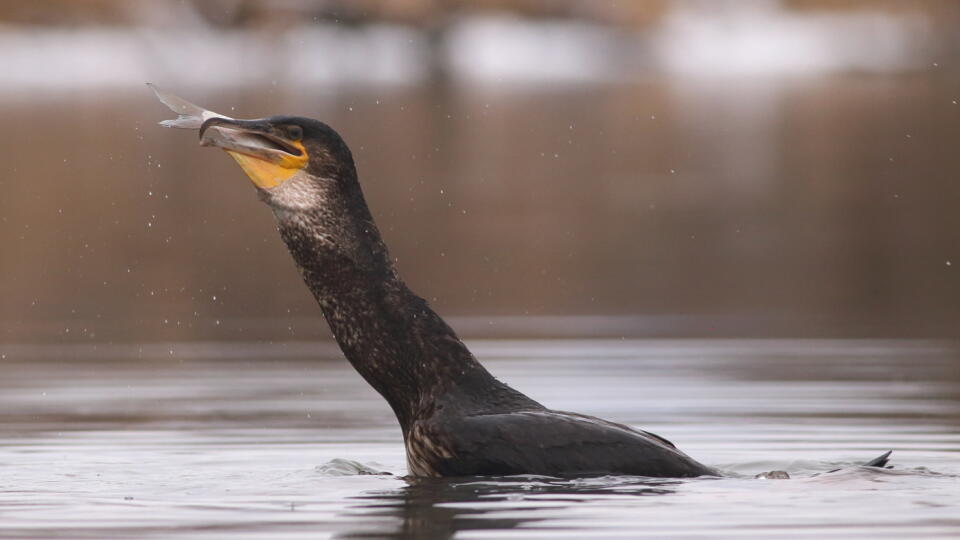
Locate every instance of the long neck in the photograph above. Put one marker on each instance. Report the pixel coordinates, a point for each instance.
(390, 335)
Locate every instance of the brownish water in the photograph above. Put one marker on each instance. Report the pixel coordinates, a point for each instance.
(802, 207)
(245, 440)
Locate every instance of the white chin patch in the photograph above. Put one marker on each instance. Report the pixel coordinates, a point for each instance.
(298, 193)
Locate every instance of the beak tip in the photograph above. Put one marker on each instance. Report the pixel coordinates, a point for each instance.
(208, 136)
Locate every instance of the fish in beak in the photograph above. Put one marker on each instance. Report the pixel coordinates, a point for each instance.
(269, 152)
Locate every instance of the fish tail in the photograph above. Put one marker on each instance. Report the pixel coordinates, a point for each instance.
(189, 115)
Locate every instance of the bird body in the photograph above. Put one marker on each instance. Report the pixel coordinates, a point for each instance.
(541, 442)
(456, 418)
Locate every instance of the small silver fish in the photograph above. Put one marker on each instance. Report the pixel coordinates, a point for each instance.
(269, 158)
(189, 116)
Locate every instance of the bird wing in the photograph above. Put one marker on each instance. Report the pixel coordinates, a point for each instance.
(552, 442)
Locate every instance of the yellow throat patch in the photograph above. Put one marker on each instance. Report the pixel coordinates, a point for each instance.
(266, 174)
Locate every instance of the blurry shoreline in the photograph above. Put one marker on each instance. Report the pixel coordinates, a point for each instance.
(693, 41)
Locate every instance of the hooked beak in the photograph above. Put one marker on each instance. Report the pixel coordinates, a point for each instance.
(268, 157)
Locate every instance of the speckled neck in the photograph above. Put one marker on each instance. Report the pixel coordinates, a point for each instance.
(390, 335)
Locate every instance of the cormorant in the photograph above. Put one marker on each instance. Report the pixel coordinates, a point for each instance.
(456, 418)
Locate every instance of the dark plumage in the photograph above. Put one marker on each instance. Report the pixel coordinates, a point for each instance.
(456, 418)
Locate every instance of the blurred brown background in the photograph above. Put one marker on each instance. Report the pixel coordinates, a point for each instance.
(741, 168)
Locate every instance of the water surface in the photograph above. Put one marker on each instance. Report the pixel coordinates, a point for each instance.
(197, 440)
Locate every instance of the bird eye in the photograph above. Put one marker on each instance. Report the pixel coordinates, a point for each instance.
(295, 132)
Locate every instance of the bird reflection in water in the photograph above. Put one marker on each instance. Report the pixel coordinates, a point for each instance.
(441, 508)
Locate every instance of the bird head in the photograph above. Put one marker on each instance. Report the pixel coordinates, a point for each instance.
(274, 150)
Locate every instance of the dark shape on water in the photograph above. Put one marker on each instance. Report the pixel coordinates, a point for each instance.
(456, 418)
(439, 508)
(774, 475)
(879, 461)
